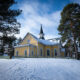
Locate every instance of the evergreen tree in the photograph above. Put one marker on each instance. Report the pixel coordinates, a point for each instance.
(69, 27)
(19, 40)
(9, 26)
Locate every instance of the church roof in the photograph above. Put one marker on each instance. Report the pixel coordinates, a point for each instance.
(25, 45)
(45, 42)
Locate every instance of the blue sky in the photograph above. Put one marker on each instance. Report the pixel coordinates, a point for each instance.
(37, 12)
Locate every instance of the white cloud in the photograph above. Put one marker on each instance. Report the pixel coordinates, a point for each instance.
(75, 1)
(35, 14)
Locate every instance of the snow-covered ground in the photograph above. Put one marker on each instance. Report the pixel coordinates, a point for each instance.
(39, 69)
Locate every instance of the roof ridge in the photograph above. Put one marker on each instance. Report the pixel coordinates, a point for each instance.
(44, 42)
(33, 35)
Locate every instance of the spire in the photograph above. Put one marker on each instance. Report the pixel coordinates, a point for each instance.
(41, 33)
(41, 30)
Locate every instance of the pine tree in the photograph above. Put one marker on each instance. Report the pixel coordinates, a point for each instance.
(9, 26)
(69, 27)
(19, 40)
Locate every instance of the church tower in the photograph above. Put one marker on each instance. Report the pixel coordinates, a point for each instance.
(41, 34)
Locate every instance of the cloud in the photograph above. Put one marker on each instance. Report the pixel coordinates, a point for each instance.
(35, 14)
(75, 1)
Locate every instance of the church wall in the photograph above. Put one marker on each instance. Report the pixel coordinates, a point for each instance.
(21, 51)
(41, 46)
(33, 52)
(51, 49)
(57, 48)
(29, 40)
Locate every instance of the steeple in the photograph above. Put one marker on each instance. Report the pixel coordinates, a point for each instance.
(41, 30)
(41, 34)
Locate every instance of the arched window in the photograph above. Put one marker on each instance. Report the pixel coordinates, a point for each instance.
(41, 52)
(16, 53)
(25, 52)
(55, 52)
(32, 53)
(52, 52)
(48, 52)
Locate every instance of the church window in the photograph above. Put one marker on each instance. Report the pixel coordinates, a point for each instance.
(17, 53)
(55, 52)
(32, 53)
(25, 52)
(41, 52)
(48, 52)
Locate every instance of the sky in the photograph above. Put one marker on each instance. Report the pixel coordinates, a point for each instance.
(37, 12)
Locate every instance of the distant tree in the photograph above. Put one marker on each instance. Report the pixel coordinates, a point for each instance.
(8, 22)
(19, 40)
(69, 27)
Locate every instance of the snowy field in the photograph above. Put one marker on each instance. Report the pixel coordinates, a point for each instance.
(39, 69)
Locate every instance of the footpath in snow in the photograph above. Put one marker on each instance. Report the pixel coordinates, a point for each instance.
(39, 69)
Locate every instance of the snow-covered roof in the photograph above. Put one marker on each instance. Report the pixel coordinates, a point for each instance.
(46, 42)
(43, 41)
(25, 45)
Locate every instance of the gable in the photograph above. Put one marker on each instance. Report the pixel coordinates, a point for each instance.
(29, 39)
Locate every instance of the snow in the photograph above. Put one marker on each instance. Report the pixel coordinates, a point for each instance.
(24, 45)
(47, 42)
(5, 55)
(39, 69)
(43, 41)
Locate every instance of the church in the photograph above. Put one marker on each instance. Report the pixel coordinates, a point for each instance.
(31, 46)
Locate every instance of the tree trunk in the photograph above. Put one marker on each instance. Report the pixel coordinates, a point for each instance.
(75, 49)
(10, 51)
(3, 44)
